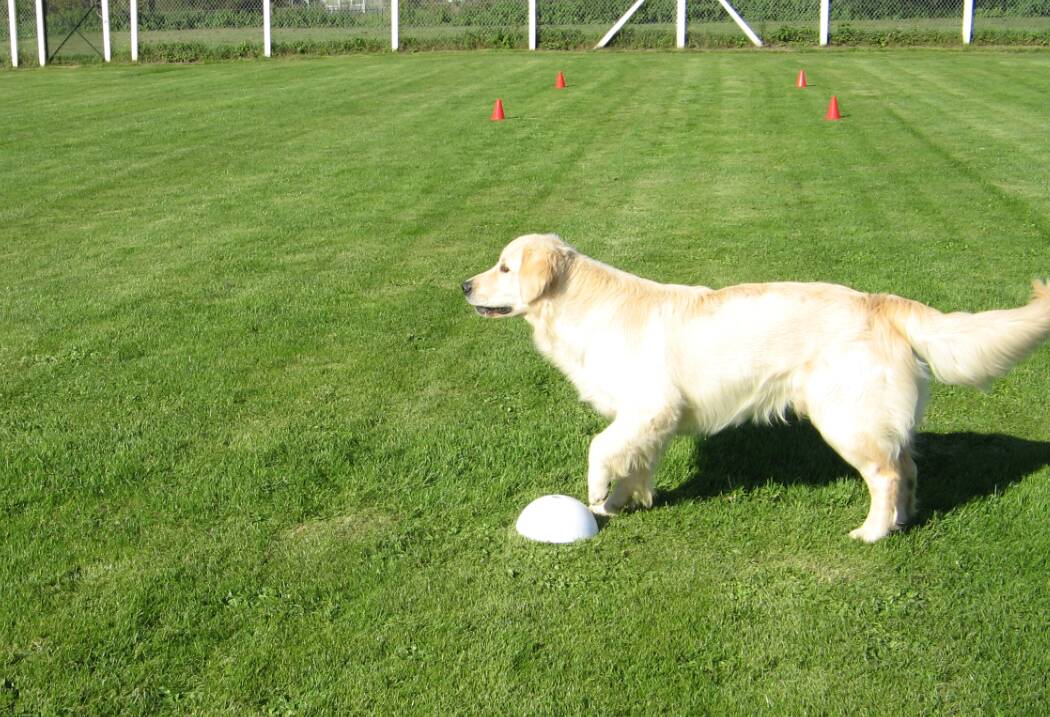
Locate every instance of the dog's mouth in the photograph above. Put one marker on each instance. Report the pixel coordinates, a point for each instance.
(490, 311)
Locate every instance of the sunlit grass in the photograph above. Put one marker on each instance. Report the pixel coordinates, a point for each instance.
(258, 457)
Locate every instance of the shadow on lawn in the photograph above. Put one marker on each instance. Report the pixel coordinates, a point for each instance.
(954, 468)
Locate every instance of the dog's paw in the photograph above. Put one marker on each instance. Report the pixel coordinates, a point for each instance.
(602, 508)
(869, 534)
(643, 499)
(597, 497)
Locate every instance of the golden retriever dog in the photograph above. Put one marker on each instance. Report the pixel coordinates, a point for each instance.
(660, 359)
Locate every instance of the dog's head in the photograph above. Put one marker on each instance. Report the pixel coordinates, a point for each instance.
(529, 268)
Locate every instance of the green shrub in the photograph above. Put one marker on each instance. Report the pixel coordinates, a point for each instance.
(196, 51)
(1011, 37)
(848, 35)
(329, 47)
(559, 38)
(788, 35)
(474, 39)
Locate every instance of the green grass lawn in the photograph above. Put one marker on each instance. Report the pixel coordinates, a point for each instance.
(259, 457)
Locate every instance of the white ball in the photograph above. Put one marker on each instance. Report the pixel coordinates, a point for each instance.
(556, 519)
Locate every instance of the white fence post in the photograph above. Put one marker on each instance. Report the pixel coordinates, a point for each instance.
(967, 28)
(134, 20)
(41, 33)
(394, 30)
(680, 25)
(825, 20)
(532, 24)
(12, 31)
(619, 24)
(266, 28)
(107, 47)
(755, 40)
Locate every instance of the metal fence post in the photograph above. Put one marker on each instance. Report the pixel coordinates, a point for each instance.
(41, 33)
(12, 31)
(619, 24)
(532, 24)
(107, 47)
(394, 13)
(266, 27)
(133, 9)
(967, 28)
(680, 21)
(755, 39)
(825, 20)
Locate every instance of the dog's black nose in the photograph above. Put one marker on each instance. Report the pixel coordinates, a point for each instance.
(468, 287)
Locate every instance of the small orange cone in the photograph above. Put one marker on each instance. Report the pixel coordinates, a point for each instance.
(560, 82)
(801, 81)
(497, 112)
(833, 109)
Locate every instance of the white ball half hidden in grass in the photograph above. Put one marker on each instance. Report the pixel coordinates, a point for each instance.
(556, 519)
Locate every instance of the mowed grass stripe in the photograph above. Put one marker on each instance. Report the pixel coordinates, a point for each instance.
(976, 104)
(249, 126)
(981, 133)
(1005, 192)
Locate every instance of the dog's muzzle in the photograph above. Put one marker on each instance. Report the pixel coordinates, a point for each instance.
(488, 311)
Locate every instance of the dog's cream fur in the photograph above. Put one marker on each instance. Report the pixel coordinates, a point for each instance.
(661, 359)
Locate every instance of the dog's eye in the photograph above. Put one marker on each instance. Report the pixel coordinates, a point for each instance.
(504, 268)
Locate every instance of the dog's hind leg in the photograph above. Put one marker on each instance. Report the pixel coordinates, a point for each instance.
(889, 473)
(866, 406)
(889, 493)
(626, 453)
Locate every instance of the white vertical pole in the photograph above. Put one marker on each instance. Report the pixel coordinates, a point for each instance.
(134, 20)
(12, 31)
(532, 24)
(680, 26)
(825, 20)
(394, 12)
(107, 48)
(266, 28)
(967, 29)
(41, 37)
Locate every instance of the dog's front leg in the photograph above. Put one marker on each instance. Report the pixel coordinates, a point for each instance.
(627, 448)
(599, 475)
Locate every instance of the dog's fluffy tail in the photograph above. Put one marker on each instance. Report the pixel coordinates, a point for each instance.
(971, 349)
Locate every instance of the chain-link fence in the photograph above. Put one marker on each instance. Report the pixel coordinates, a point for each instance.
(191, 29)
(938, 16)
(1016, 15)
(463, 23)
(74, 29)
(212, 23)
(867, 17)
(25, 29)
(330, 25)
(582, 23)
(782, 21)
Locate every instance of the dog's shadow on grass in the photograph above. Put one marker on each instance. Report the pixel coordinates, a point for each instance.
(954, 468)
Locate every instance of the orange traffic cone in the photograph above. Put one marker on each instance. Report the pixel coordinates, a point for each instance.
(497, 112)
(833, 109)
(560, 82)
(801, 81)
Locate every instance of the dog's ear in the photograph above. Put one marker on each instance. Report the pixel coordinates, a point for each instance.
(542, 266)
